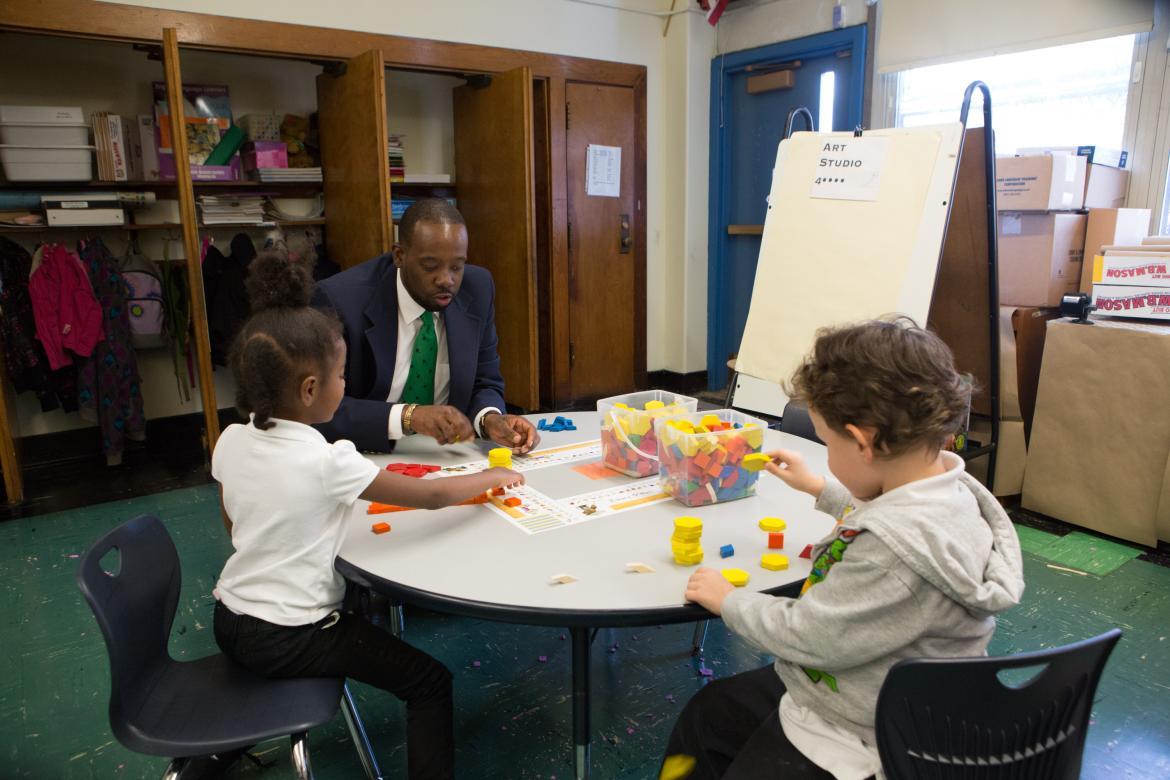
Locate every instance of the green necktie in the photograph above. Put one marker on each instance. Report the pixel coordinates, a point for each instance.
(420, 383)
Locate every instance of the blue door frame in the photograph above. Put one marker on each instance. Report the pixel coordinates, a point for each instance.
(723, 68)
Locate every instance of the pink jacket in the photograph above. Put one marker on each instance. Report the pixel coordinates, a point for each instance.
(67, 315)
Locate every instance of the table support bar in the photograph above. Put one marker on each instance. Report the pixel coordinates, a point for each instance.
(581, 727)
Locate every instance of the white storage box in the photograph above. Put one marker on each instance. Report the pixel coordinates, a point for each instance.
(43, 134)
(1142, 270)
(42, 115)
(1132, 302)
(47, 163)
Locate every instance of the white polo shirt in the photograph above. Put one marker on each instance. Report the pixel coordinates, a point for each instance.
(286, 491)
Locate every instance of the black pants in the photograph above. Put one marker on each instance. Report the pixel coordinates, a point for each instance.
(732, 729)
(354, 648)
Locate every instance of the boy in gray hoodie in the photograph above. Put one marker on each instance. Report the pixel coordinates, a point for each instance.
(921, 560)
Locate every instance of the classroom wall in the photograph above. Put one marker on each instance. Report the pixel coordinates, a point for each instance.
(751, 24)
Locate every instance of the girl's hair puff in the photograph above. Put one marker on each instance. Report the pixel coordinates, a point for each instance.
(284, 340)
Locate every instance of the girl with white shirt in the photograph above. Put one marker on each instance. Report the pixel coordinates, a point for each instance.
(285, 493)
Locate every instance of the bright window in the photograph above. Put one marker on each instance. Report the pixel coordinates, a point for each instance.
(1060, 96)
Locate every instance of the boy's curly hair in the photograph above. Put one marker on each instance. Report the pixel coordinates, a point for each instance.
(890, 375)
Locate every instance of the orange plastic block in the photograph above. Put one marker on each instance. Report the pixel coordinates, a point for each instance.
(497, 491)
(512, 501)
(380, 528)
(380, 509)
(775, 541)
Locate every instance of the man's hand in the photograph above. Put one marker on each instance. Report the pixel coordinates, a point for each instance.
(509, 430)
(708, 588)
(444, 424)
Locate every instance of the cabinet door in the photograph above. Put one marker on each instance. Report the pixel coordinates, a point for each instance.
(494, 179)
(606, 308)
(351, 115)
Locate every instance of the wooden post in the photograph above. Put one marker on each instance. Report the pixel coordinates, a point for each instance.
(190, 223)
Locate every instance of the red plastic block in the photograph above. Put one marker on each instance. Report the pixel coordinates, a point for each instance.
(380, 528)
(806, 552)
(775, 541)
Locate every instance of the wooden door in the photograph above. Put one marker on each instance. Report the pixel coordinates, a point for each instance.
(494, 181)
(606, 307)
(351, 111)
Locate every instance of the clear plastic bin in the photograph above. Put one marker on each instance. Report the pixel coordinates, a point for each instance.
(629, 443)
(706, 467)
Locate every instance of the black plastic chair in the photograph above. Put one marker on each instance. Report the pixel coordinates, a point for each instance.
(182, 709)
(797, 422)
(954, 718)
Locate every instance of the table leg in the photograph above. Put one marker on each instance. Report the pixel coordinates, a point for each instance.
(581, 736)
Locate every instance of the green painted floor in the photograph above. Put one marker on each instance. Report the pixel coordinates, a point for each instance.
(513, 714)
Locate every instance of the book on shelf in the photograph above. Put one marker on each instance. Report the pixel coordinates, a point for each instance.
(73, 217)
(148, 146)
(269, 175)
(396, 157)
(221, 210)
(111, 137)
(426, 178)
(207, 117)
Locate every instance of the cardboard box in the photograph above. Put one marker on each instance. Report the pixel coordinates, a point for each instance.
(1039, 257)
(1134, 302)
(1108, 227)
(1105, 187)
(1043, 182)
(1099, 455)
(1142, 270)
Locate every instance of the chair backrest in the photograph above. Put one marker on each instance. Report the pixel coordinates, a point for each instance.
(797, 422)
(949, 718)
(134, 606)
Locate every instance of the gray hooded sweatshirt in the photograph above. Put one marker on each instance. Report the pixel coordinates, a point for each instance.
(917, 572)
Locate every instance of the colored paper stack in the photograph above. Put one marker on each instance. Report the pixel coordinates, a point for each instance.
(702, 459)
(684, 542)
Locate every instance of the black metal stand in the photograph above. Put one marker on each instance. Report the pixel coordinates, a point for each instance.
(989, 448)
(581, 639)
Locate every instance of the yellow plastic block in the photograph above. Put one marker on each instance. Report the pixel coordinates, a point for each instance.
(686, 426)
(772, 524)
(688, 523)
(774, 561)
(756, 461)
(652, 405)
(620, 406)
(500, 457)
(640, 424)
(709, 420)
(737, 577)
(677, 767)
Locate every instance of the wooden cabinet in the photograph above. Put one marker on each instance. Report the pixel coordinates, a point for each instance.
(570, 315)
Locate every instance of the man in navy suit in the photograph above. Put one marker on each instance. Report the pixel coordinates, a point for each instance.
(420, 329)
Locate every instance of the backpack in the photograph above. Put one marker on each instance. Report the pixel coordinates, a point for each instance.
(144, 302)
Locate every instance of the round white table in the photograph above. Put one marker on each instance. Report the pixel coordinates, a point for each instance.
(469, 561)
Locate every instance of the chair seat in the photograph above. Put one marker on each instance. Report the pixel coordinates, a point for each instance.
(212, 705)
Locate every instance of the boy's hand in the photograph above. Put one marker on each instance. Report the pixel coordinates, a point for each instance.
(789, 467)
(708, 588)
(505, 478)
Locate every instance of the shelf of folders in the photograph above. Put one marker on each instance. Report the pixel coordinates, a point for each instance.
(64, 208)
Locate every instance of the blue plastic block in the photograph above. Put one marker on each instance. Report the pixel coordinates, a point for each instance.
(726, 551)
(570, 427)
(739, 425)
(542, 425)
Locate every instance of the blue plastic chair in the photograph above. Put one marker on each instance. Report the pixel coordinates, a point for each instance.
(955, 718)
(183, 709)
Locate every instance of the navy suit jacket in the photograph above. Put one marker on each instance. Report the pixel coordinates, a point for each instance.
(365, 297)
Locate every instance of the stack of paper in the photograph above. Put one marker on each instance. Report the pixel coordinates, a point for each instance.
(288, 174)
(232, 210)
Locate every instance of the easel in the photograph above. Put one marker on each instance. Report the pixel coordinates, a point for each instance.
(985, 273)
(961, 271)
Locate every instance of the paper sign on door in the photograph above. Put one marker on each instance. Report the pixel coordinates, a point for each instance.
(603, 171)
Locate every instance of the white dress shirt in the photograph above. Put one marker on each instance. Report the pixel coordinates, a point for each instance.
(410, 315)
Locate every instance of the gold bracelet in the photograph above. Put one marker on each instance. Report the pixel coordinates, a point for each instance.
(406, 418)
